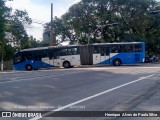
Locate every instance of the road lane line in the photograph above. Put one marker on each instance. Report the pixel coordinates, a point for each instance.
(93, 96)
(121, 67)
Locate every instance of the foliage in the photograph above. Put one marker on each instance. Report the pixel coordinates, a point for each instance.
(12, 30)
(87, 22)
(4, 12)
(31, 43)
(18, 20)
(93, 20)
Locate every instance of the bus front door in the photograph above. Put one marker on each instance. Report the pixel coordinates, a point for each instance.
(57, 61)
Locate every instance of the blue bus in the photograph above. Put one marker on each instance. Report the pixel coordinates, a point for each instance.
(76, 55)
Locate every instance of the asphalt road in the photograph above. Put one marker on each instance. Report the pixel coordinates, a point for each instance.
(124, 88)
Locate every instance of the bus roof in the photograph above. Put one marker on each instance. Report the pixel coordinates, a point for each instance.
(117, 43)
(49, 47)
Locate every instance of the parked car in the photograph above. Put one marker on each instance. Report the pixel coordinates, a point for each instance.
(147, 59)
(151, 58)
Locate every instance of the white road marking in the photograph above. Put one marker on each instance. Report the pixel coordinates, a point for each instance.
(93, 96)
(121, 67)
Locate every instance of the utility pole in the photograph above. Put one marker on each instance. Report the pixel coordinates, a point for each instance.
(52, 38)
(2, 56)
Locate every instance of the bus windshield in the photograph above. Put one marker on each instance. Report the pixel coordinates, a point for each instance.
(18, 58)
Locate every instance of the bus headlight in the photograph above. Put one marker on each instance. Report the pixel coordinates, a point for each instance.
(143, 60)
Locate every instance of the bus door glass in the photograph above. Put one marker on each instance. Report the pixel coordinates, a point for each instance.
(96, 55)
(73, 56)
(41, 59)
(37, 59)
(45, 58)
(56, 57)
(105, 54)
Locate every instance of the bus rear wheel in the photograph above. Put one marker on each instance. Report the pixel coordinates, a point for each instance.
(29, 67)
(66, 64)
(117, 62)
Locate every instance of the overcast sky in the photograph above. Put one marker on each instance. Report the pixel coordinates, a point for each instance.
(40, 12)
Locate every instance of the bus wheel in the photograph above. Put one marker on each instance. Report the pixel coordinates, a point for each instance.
(66, 64)
(29, 67)
(117, 62)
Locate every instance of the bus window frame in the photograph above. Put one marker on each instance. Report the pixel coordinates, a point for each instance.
(128, 50)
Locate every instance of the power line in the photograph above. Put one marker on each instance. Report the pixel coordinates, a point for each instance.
(33, 27)
(38, 23)
(39, 20)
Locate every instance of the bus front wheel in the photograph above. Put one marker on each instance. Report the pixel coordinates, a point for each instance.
(29, 67)
(66, 64)
(117, 62)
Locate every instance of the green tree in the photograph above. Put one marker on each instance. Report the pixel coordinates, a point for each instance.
(31, 43)
(4, 12)
(92, 20)
(12, 30)
(19, 19)
(81, 20)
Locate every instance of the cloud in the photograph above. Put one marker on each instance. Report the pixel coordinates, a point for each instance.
(75, 1)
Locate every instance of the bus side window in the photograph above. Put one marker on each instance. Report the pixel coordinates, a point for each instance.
(128, 48)
(27, 56)
(96, 50)
(44, 53)
(78, 50)
(102, 51)
(56, 53)
(114, 49)
(50, 53)
(37, 55)
(63, 52)
(119, 48)
(138, 48)
(74, 51)
(107, 51)
(70, 51)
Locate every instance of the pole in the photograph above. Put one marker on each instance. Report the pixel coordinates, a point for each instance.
(51, 30)
(2, 58)
(52, 38)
